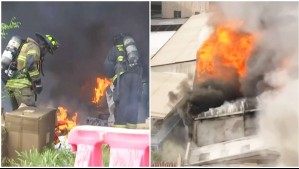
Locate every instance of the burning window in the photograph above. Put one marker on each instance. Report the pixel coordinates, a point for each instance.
(227, 47)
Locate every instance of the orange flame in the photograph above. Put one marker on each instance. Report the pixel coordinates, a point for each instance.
(100, 89)
(225, 47)
(64, 124)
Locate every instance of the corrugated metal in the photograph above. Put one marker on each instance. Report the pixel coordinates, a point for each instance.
(161, 85)
(158, 39)
(184, 67)
(176, 21)
(177, 56)
(183, 45)
(167, 127)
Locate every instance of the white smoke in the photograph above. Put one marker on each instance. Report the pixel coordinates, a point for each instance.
(274, 65)
(279, 116)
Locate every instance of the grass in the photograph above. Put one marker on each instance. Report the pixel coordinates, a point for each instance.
(156, 157)
(106, 154)
(49, 157)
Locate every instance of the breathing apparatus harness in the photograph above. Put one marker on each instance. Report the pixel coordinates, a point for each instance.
(9, 58)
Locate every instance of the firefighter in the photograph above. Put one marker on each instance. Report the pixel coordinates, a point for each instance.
(23, 79)
(122, 64)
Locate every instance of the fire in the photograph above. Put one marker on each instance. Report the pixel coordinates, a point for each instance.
(99, 91)
(64, 125)
(225, 47)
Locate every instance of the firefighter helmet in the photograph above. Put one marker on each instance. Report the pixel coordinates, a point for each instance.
(118, 39)
(51, 43)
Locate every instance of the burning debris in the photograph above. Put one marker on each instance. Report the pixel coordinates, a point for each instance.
(96, 121)
(100, 90)
(64, 124)
(94, 29)
(238, 106)
(99, 104)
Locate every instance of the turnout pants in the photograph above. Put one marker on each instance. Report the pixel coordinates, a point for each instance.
(24, 95)
(126, 113)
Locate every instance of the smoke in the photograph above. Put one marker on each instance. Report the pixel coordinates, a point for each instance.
(271, 72)
(279, 120)
(273, 65)
(174, 144)
(276, 26)
(212, 93)
(171, 151)
(84, 31)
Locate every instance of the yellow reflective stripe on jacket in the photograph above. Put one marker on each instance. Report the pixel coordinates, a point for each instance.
(115, 76)
(17, 83)
(32, 52)
(24, 47)
(120, 47)
(120, 58)
(22, 58)
(34, 73)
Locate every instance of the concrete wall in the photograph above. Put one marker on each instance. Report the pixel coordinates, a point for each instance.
(216, 130)
(247, 150)
(187, 8)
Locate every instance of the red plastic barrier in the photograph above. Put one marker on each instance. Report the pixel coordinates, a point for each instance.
(128, 147)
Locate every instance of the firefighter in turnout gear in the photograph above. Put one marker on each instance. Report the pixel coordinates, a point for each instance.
(23, 79)
(122, 65)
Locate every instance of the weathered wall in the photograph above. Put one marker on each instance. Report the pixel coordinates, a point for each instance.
(216, 130)
(187, 9)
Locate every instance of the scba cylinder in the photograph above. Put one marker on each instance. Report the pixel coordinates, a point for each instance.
(132, 52)
(11, 51)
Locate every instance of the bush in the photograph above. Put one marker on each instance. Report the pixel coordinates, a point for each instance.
(156, 157)
(47, 158)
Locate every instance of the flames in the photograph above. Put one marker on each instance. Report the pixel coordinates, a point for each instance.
(64, 125)
(226, 47)
(99, 91)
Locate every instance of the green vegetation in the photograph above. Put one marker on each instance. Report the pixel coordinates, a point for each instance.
(12, 25)
(156, 157)
(49, 157)
(106, 154)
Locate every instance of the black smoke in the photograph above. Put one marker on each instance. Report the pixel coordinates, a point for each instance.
(212, 93)
(84, 31)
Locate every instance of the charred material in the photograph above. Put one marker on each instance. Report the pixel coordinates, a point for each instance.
(96, 121)
(98, 114)
(211, 94)
(235, 107)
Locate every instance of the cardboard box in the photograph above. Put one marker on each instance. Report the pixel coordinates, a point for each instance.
(29, 127)
(3, 142)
